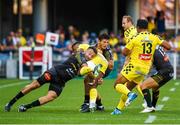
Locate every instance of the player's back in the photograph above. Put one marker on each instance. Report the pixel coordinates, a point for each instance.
(161, 60)
(142, 48)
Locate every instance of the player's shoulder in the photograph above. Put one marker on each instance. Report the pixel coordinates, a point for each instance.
(131, 29)
(101, 57)
(134, 37)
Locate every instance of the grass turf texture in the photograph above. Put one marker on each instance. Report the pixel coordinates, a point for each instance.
(65, 109)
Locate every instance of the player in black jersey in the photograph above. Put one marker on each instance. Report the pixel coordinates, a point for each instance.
(105, 50)
(163, 75)
(57, 76)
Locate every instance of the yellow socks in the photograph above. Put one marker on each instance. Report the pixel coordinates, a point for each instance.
(93, 96)
(122, 101)
(122, 89)
(139, 90)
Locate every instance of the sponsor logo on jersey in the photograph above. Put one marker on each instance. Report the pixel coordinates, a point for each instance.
(145, 56)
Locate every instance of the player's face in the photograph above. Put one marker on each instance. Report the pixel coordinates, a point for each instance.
(75, 47)
(104, 43)
(89, 54)
(125, 23)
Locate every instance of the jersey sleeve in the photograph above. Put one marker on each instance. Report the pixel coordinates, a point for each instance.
(104, 67)
(130, 45)
(159, 40)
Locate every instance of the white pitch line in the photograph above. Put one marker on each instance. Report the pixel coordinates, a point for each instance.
(150, 119)
(159, 107)
(176, 83)
(172, 89)
(164, 99)
(13, 84)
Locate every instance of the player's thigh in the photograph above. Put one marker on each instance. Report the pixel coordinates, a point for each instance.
(139, 79)
(48, 76)
(129, 72)
(130, 85)
(149, 83)
(57, 87)
(120, 79)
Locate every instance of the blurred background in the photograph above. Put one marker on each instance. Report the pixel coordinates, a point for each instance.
(25, 23)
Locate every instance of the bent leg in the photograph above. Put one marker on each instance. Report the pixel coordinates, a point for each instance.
(119, 85)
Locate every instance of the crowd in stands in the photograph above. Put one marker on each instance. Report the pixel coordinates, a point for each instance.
(62, 50)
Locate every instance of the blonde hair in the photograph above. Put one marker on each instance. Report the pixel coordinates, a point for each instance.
(129, 18)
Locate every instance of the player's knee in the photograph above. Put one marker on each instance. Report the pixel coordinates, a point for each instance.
(52, 96)
(33, 85)
(142, 86)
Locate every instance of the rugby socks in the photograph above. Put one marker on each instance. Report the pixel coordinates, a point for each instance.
(93, 96)
(98, 102)
(155, 97)
(139, 90)
(122, 89)
(18, 96)
(33, 104)
(147, 97)
(122, 101)
(86, 98)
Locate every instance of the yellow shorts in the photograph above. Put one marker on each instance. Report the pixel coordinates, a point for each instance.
(133, 73)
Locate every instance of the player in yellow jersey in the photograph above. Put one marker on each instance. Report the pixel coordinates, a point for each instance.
(101, 69)
(141, 49)
(129, 31)
(104, 49)
(99, 66)
(129, 28)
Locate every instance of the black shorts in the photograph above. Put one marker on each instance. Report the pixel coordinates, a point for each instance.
(163, 76)
(108, 71)
(52, 77)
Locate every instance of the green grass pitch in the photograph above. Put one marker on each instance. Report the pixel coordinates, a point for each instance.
(65, 109)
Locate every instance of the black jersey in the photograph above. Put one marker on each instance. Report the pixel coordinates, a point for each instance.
(107, 53)
(70, 68)
(161, 60)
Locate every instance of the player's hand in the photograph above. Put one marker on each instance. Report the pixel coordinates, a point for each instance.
(111, 64)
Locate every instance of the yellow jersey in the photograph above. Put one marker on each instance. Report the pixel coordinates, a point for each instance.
(98, 60)
(142, 48)
(83, 47)
(129, 33)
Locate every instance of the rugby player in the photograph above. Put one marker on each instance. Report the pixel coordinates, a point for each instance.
(104, 49)
(57, 76)
(164, 74)
(129, 29)
(141, 49)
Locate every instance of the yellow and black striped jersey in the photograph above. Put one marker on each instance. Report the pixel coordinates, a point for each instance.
(142, 48)
(129, 33)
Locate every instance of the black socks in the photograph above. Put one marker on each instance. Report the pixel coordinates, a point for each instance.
(18, 96)
(147, 97)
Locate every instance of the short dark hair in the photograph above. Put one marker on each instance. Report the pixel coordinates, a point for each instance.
(94, 49)
(103, 36)
(142, 23)
(73, 44)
